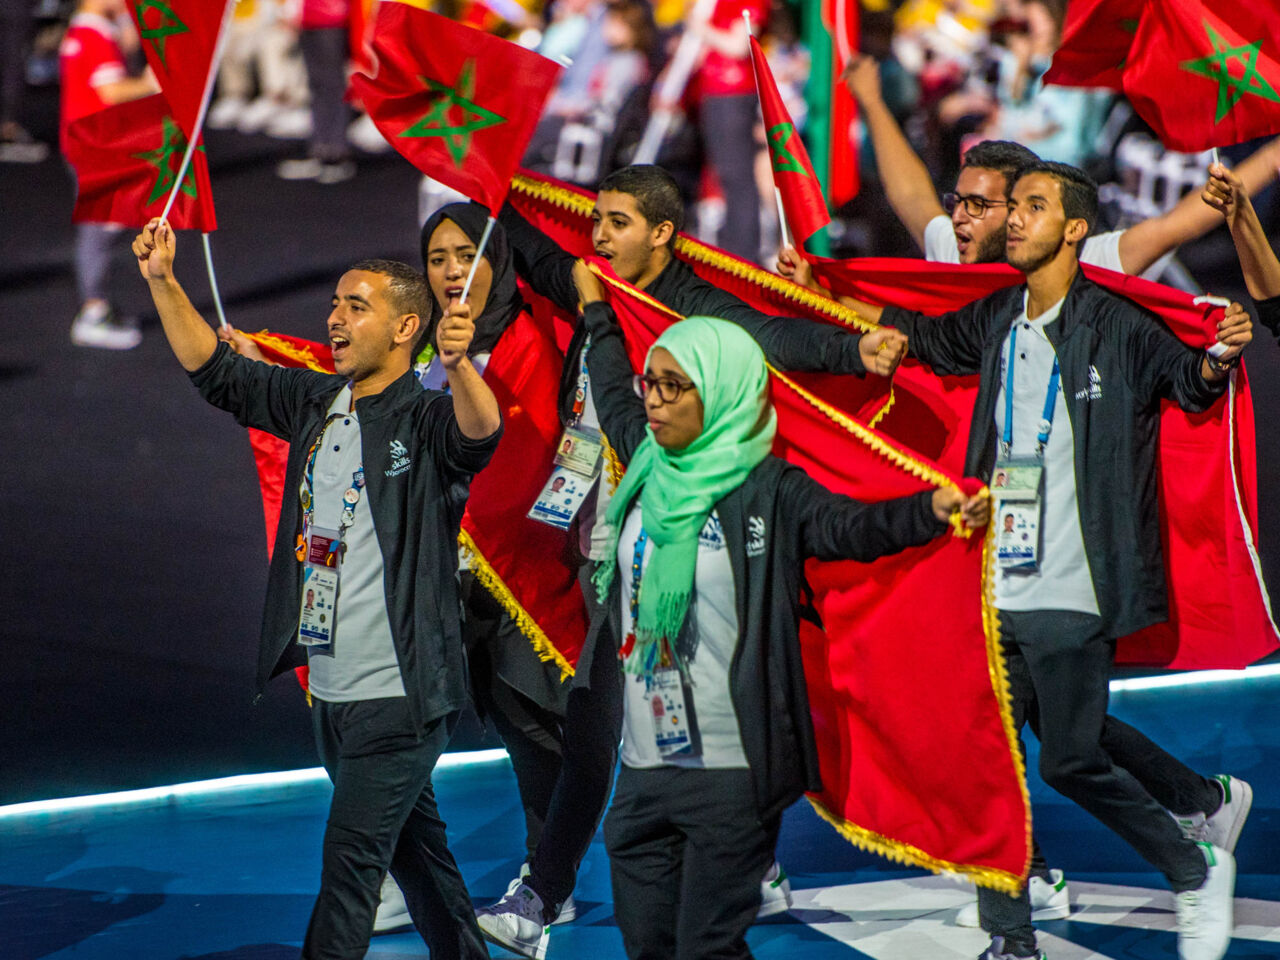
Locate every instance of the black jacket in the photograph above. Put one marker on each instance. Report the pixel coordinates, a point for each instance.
(789, 343)
(777, 518)
(418, 467)
(1117, 360)
(1269, 314)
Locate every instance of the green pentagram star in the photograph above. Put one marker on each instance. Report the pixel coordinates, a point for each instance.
(783, 162)
(441, 120)
(162, 158)
(170, 25)
(1231, 89)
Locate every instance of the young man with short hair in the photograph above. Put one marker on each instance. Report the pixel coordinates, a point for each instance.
(381, 468)
(1071, 382)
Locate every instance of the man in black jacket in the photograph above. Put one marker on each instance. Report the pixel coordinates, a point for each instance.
(382, 469)
(1084, 565)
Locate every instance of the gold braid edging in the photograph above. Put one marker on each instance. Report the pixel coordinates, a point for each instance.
(490, 580)
(285, 348)
(906, 853)
(612, 465)
(1000, 676)
(700, 252)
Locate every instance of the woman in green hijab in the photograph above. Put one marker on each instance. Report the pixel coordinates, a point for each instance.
(702, 608)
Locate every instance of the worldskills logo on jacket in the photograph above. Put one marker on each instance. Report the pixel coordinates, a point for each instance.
(755, 527)
(400, 461)
(1094, 390)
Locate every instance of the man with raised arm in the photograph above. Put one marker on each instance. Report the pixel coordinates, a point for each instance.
(1225, 193)
(1068, 409)
(955, 232)
(376, 482)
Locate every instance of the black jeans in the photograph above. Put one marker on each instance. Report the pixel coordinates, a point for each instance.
(1059, 664)
(384, 813)
(592, 729)
(687, 854)
(727, 125)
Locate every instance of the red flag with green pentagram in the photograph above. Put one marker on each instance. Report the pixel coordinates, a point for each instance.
(1096, 38)
(802, 199)
(179, 37)
(126, 159)
(458, 104)
(1207, 75)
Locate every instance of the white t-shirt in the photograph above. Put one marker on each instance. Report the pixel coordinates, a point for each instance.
(363, 665)
(713, 624)
(940, 246)
(1063, 581)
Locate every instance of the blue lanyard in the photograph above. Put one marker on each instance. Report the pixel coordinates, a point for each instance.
(1050, 402)
(584, 380)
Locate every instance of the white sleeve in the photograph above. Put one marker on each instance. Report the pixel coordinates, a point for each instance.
(940, 241)
(1103, 251)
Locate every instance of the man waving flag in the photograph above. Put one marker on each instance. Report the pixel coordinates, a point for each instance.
(459, 104)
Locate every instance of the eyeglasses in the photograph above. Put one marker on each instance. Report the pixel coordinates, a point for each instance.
(669, 391)
(974, 205)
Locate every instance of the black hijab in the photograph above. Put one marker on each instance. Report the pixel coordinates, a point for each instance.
(504, 297)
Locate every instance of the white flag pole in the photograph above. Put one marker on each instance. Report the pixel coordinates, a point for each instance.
(218, 48)
(782, 217)
(484, 241)
(213, 284)
(673, 84)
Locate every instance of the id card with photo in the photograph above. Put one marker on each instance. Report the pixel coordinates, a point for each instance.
(1017, 479)
(561, 498)
(1018, 535)
(318, 612)
(672, 731)
(580, 450)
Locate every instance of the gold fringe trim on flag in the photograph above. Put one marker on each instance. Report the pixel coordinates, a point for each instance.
(490, 580)
(913, 856)
(302, 354)
(613, 468)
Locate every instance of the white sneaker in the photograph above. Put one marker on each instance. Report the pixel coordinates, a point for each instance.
(515, 922)
(289, 123)
(308, 169)
(568, 910)
(225, 114)
(1223, 828)
(1050, 900)
(337, 171)
(775, 892)
(393, 912)
(256, 115)
(96, 326)
(1205, 915)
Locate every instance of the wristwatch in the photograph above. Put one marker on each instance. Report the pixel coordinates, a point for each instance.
(1220, 366)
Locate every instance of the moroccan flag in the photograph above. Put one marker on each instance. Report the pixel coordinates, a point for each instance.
(127, 158)
(522, 562)
(179, 38)
(1096, 38)
(1207, 74)
(459, 104)
(802, 200)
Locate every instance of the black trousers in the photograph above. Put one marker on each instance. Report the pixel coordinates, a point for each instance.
(324, 53)
(592, 729)
(727, 125)
(687, 854)
(1059, 664)
(384, 814)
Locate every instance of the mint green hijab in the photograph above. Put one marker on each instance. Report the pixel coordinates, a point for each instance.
(679, 488)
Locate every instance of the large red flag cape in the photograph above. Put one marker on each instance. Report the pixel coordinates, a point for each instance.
(523, 563)
(802, 200)
(127, 158)
(1201, 74)
(178, 38)
(459, 104)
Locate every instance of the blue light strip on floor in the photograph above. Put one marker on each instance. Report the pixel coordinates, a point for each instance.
(202, 789)
(1195, 678)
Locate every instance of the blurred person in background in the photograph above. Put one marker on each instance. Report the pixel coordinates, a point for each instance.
(323, 38)
(94, 76)
(16, 144)
(261, 55)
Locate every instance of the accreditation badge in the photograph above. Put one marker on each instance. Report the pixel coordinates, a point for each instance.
(672, 723)
(578, 459)
(317, 616)
(1017, 488)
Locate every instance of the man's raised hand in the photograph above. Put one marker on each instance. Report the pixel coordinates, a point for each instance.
(1224, 191)
(155, 248)
(454, 334)
(862, 77)
(882, 350)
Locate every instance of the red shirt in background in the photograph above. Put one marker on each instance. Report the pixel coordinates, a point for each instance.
(89, 58)
(721, 76)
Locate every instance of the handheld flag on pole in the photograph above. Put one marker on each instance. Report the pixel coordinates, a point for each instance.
(458, 104)
(128, 159)
(179, 38)
(1097, 36)
(797, 184)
